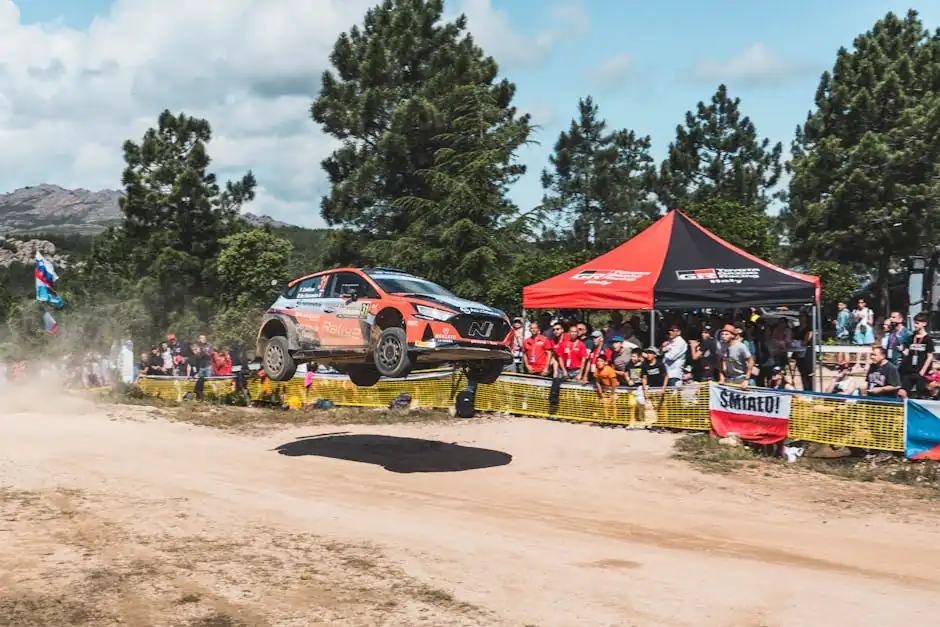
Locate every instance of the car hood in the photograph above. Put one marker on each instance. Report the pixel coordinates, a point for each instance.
(461, 305)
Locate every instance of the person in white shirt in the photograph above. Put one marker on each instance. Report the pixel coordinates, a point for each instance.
(675, 350)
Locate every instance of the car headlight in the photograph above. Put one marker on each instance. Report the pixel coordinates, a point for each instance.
(434, 313)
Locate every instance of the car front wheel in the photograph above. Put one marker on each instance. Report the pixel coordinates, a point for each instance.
(277, 361)
(363, 376)
(391, 353)
(486, 372)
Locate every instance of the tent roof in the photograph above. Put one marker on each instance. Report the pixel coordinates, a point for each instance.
(675, 263)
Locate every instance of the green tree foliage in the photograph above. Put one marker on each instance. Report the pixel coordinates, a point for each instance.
(839, 282)
(462, 230)
(175, 218)
(249, 267)
(747, 227)
(530, 265)
(866, 182)
(599, 186)
(718, 154)
(390, 100)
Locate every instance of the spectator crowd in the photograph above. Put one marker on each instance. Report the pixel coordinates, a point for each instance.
(172, 358)
(770, 349)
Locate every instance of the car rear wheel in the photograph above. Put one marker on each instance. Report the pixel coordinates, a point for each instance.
(363, 376)
(277, 361)
(485, 372)
(391, 353)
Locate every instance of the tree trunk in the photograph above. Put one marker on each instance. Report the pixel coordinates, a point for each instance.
(882, 285)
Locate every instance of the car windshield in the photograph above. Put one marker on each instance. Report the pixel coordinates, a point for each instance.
(411, 285)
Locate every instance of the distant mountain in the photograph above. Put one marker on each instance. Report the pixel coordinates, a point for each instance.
(53, 209)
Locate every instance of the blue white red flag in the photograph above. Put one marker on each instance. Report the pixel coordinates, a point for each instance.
(45, 282)
(922, 433)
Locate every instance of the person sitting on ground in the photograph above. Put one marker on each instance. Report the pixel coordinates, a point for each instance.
(844, 383)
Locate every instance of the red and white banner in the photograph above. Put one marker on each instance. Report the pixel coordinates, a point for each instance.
(756, 415)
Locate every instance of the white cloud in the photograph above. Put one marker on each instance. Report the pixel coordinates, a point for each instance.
(494, 31)
(613, 73)
(758, 65)
(70, 98)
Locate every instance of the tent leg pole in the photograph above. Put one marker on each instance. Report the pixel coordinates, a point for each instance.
(652, 327)
(817, 365)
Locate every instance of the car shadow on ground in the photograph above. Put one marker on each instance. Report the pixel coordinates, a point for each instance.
(396, 454)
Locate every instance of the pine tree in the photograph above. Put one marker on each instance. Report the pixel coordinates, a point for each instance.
(462, 230)
(388, 100)
(717, 154)
(866, 163)
(175, 216)
(598, 189)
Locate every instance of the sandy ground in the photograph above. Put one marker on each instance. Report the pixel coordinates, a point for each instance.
(109, 515)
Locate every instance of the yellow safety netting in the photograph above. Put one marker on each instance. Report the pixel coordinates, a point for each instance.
(845, 421)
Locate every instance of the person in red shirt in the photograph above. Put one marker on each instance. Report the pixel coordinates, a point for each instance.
(538, 352)
(589, 367)
(571, 353)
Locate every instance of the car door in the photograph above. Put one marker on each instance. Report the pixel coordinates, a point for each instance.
(348, 322)
(309, 310)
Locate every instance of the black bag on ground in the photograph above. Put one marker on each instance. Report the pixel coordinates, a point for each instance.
(464, 404)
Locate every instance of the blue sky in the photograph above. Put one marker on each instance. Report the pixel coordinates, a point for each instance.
(644, 63)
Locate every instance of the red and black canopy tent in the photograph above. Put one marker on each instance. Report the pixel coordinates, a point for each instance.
(675, 264)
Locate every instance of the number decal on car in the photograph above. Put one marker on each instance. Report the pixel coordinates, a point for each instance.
(364, 311)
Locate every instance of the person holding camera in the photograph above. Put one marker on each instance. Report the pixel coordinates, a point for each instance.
(897, 337)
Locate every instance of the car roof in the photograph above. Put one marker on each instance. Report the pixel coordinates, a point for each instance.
(366, 271)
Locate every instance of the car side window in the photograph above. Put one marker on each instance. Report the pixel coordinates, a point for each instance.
(345, 282)
(308, 288)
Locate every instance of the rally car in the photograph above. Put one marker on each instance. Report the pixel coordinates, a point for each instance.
(379, 322)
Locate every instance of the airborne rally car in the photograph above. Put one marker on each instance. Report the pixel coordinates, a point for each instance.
(379, 322)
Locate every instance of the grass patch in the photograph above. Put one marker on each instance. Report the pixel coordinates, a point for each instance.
(705, 453)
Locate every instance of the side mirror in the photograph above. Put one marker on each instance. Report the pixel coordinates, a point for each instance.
(351, 294)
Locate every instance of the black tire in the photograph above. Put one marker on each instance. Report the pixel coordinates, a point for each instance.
(277, 361)
(363, 376)
(391, 353)
(486, 372)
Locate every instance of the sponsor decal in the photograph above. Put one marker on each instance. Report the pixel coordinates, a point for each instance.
(446, 336)
(480, 328)
(719, 275)
(606, 277)
(477, 310)
(337, 330)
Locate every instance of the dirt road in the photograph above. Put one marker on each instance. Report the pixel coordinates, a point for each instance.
(110, 515)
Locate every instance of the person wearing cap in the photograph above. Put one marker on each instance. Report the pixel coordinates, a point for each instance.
(844, 383)
(653, 375)
(932, 386)
(597, 349)
(777, 381)
(620, 358)
(518, 337)
(737, 362)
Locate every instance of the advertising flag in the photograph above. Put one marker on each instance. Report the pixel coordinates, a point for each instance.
(757, 415)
